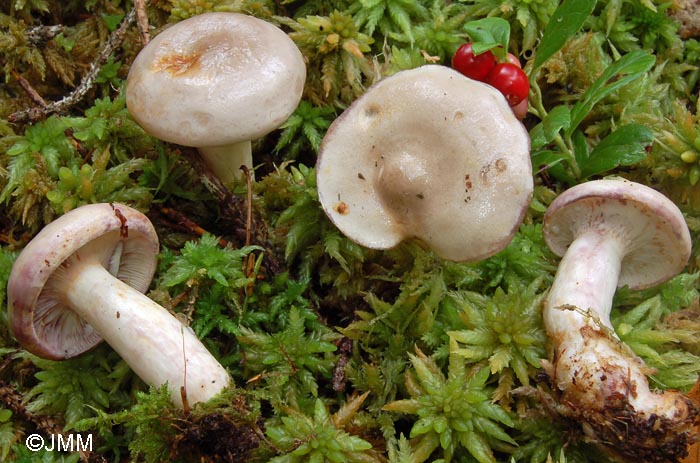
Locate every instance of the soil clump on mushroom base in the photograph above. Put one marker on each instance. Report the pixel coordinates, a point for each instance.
(211, 438)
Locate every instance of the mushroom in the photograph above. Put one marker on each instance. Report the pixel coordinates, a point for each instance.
(427, 153)
(613, 233)
(215, 82)
(81, 279)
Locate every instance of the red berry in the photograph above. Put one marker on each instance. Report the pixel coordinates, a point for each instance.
(511, 58)
(473, 66)
(511, 81)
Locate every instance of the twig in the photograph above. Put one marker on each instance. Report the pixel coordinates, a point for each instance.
(248, 205)
(183, 388)
(26, 86)
(42, 34)
(11, 242)
(188, 223)
(115, 39)
(142, 20)
(28, 89)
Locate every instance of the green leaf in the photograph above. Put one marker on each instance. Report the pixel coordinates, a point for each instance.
(320, 412)
(623, 147)
(557, 119)
(545, 159)
(422, 426)
(489, 34)
(112, 20)
(470, 336)
(492, 429)
(625, 70)
(580, 147)
(478, 447)
(494, 413)
(537, 137)
(500, 359)
(566, 20)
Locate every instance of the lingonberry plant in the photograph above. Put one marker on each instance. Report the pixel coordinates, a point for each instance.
(474, 66)
(486, 59)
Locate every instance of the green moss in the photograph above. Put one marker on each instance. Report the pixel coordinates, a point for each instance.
(454, 410)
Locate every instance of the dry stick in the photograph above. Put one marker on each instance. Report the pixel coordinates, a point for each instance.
(142, 20)
(339, 377)
(188, 223)
(249, 205)
(115, 39)
(28, 89)
(42, 34)
(7, 237)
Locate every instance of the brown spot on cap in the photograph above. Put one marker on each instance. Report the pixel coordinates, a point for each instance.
(341, 208)
(501, 165)
(177, 63)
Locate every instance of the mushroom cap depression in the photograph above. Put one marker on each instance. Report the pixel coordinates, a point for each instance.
(652, 228)
(215, 79)
(127, 247)
(427, 153)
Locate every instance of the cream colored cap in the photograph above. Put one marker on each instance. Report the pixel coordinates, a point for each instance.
(215, 79)
(427, 153)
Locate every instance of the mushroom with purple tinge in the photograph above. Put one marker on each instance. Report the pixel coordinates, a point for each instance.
(81, 279)
(215, 82)
(427, 153)
(613, 233)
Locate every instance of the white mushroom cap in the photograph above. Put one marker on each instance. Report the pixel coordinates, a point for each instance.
(215, 79)
(431, 154)
(39, 319)
(656, 236)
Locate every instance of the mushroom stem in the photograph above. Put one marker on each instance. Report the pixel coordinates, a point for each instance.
(600, 378)
(150, 339)
(586, 279)
(226, 160)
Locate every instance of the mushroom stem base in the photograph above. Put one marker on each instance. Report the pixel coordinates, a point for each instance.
(226, 161)
(150, 339)
(612, 401)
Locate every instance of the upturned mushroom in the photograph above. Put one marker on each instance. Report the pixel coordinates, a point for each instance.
(430, 154)
(613, 233)
(82, 278)
(215, 82)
